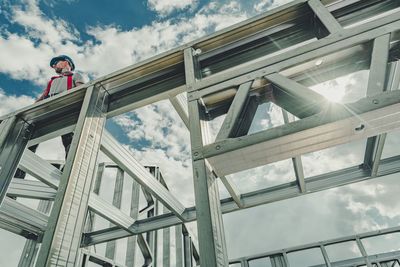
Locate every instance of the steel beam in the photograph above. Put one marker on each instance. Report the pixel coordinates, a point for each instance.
(40, 169)
(178, 246)
(232, 190)
(62, 239)
(317, 49)
(14, 135)
(296, 98)
(212, 245)
(297, 164)
(363, 252)
(358, 261)
(326, 18)
(21, 220)
(337, 125)
(117, 201)
(231, 121)
(30, 189)
(179, 102)
(376, 85)
(134, 213)
(130, 165)
(111, 213)
(31, 247)
(166, 243)
(269, 195)
(145, 249)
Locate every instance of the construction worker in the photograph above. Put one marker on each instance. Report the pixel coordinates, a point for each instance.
(65, 80)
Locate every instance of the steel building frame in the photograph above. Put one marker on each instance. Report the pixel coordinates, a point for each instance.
(280, 257)
(273, 57)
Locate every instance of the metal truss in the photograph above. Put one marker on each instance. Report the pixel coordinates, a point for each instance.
(272, 58)
(282, 257)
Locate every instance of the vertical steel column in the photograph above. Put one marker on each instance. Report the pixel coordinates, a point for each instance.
(297, 163)
(96, 189)
(244, 263)
(363, 252)
(376, 85)
(31, 247)
(14, 135)
(325, 255)
(117, 200)
(134, 213)
(178, 246)
(157, 207)
(61, 241)
(212, 245)
(166, 244)
(187, 249)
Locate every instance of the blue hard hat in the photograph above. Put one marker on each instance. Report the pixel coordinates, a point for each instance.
(54, 61)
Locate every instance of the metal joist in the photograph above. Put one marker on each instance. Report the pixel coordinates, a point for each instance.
(261, 67)
(231, 121)
(335, 126)
(326, 18)
(179, 102)
(31, 247)
(117, 201)
(269, 195)
(365, 259)
(376, 84)
(111, 213)
(14, 135)
(40, 169)
(134, 213)
(131, 166)
(22, 220)
(213, 251)
(30, 189)
(296, 98)
(62, 239)
(297, 163)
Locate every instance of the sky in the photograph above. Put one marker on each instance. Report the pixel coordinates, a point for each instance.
(110, 35)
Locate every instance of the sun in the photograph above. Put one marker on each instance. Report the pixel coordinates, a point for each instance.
(333, 91)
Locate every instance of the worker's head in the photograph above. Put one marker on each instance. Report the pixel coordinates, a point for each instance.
(62, 63)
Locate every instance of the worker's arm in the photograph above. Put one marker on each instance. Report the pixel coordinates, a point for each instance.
(78, 79)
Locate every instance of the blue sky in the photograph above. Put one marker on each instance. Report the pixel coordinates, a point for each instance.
(105, 36)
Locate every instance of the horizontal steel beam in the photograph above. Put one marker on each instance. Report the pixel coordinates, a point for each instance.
(337, 42)
(285, 191)
(361, 236)
(336, 125)
(21, 219)
(30, 189)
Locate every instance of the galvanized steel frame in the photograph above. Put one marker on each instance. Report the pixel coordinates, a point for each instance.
(226, 67)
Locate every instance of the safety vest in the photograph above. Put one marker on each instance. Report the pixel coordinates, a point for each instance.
(69, 84)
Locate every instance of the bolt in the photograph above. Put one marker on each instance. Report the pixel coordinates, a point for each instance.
(375, 101)
(218, 147)
(196, 153)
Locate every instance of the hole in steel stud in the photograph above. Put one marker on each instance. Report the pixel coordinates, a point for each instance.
(360, 128)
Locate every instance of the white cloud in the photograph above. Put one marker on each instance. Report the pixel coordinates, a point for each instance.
(265, 5)
(165, 7)
(9, 103)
